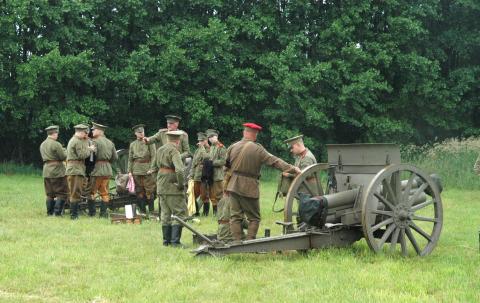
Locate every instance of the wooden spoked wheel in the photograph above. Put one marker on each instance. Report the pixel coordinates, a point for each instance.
(397, 215)
(309, 181)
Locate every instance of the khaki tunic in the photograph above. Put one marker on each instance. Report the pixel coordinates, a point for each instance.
(53, 156)
(200, 155)
(77, 152)
(218, 155)
(245, 180)
(140, 157)
(162, 139)
(304, 160)
(106, 154)
(169, 183)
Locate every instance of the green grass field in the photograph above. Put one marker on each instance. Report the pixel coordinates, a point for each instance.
(48, 259)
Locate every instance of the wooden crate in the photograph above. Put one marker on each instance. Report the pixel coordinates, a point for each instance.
(122, 219)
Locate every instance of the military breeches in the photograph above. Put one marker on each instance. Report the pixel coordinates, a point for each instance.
(75, 188)
(172, 205)
(145, 186)
(100, 185)
(199, 190)
(223, 231)
(241, 206)
(216, 192)
(56, 188)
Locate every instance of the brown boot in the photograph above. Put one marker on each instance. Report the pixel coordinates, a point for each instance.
(236, 230)
(252, 229)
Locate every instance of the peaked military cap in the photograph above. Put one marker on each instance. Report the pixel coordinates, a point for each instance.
(201, 136)
(52, 129)
(81, 127)
(173, 118)
(98, 126)
(139, 128)
(252, 126)
(212, 132)
(294, 140)
(174, 134)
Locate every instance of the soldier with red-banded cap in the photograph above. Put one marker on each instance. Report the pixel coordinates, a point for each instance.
(244, 161)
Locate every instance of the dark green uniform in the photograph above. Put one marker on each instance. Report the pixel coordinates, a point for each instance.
(77, 152)
(55, 182)
(170, 189)
(244, 161)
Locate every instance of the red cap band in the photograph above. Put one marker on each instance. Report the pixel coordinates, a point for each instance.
(253, 126)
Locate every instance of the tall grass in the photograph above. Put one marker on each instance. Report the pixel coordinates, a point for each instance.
(12, 168)
(452, 159)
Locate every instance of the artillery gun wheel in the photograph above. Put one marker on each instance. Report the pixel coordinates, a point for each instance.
(308, 180)
(402, 212)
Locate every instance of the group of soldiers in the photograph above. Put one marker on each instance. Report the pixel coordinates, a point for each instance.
(226, 177)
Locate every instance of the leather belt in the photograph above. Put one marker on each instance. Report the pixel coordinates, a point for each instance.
(166, 170)
(141, 161)
(52, 161)
(253, 176)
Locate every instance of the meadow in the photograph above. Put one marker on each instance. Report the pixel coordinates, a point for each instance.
(48, 259)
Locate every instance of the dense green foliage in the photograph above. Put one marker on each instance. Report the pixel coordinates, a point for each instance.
(337, 71)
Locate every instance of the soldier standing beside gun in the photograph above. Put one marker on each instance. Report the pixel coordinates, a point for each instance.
(170, 187)
(244, 161)
(53, 174)
(199, 188)
(100, 176)
(218, 156)
(140, 157)
(77, 151)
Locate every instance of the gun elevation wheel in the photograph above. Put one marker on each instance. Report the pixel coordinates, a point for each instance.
(402, 205)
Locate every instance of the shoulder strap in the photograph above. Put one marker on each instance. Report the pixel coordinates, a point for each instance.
(241, 155)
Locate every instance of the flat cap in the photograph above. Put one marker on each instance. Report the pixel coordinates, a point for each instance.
(252, 126)
(98, 126)
(139, 128)
(294, 140)
(173, 118)
(52, 129)
(211, 132)
(174, 134)
(81, 127)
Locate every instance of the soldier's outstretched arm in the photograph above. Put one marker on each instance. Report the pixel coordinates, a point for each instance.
(153, 139)
(273, 161)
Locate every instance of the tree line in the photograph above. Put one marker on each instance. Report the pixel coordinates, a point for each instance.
(336, 71)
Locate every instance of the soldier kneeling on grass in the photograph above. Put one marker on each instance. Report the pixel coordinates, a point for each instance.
(54, 179)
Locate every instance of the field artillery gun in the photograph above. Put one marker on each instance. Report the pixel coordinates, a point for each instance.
(362, 192)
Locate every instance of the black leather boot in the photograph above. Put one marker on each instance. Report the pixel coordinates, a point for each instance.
(103, 210)
(206, 208)
(176, 235)
(141, 204)
(74, 210)
(151, 205)
(50, 206)
(58, 209)
(214, 210)
(92, 209)
(167, 234)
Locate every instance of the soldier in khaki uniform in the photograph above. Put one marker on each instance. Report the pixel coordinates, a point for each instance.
(102, 172)
(303, 156)
(244, 161)
(170, 187)
(77, 151)
(140, 157)
(161, 137)
(200, 155)
(218, 155)
(53, 174)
